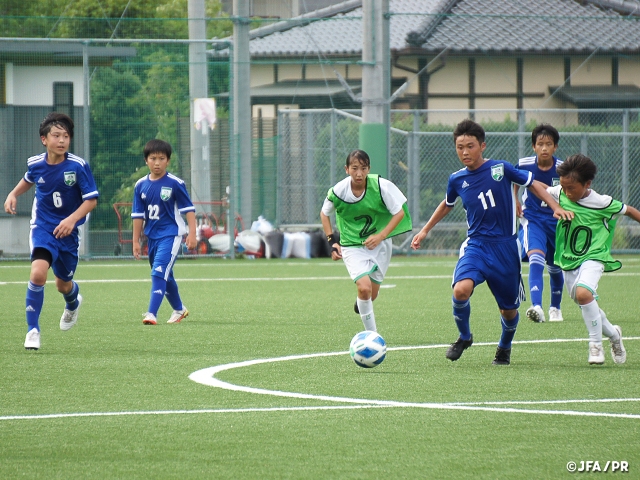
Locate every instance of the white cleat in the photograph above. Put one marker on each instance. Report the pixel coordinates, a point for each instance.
(618, 352)
(32, 342)
(70, 317)
(596, 353)
(535, 314)
(555, 315)
(178, 315)
(149, 319)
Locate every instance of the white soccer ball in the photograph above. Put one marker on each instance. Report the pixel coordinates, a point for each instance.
(368, 349)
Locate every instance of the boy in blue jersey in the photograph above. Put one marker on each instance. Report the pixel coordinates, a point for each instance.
(537, 232)
(159, 201)
(65, 194)
(491, 251)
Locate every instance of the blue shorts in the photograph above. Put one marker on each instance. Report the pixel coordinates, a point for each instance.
(64, 251)
(535, 235)
(497, 263)
(162, 255)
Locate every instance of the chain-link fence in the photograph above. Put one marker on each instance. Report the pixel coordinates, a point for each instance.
(314, 145)
(128, 92)
(442, 68)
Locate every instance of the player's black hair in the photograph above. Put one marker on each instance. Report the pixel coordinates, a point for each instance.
(360, 155)
(578, 167)
(545, 130)
(470, 128)
(157, 146)
(55, 119)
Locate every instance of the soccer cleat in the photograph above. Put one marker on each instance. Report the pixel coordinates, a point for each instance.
(503, 356)
(596, 353)
(70, 317)
(555, 315)
(618, 352)
(149, 319)
(535, 314)
(178, 315)
(455, 350)
(355, 307)
(32, 342)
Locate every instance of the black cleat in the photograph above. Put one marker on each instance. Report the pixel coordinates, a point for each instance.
(355, 308)
(503, 356)
(455, 350)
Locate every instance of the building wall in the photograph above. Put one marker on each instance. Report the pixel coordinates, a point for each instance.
(453, 78)
(594, 71)
(261, 75)
(629, 71)
(33, 86)
(494, 75)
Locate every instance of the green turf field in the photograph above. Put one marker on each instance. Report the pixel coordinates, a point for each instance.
(112, 398)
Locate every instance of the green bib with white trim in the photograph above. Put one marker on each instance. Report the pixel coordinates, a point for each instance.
(367, 216)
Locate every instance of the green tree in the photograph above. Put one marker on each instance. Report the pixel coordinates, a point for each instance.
(121, 123)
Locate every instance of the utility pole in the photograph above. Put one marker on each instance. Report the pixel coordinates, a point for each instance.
(376, 84)
(242, 109)
(198, 88)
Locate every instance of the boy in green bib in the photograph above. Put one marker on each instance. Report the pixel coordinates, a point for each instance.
(369, 211)
(583, 249)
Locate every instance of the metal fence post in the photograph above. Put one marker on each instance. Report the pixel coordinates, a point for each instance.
(522, 125)
(332, 152)
(625, 156)
(310, 195)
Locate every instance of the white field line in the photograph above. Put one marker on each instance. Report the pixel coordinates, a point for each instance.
(280, 279)
(249, 279)
(293, 263)
(206, 377)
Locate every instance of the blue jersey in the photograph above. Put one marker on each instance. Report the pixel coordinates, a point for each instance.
(533, 208)
(60, 189)
(160, 204)
(488, 198)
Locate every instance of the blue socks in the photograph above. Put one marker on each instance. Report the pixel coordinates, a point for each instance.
(461, 314)
(536, 268)
(508, 331)
(173, 297)
(72, 297)
(556, 282)
(158, 289)
(34, 301)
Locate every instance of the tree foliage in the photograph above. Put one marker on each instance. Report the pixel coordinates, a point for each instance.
(134, 99)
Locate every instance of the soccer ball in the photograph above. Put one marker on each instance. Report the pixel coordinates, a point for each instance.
(368, 349)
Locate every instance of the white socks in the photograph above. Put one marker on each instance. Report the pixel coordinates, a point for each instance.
(607, 327)
(366, 313)
(593, 321)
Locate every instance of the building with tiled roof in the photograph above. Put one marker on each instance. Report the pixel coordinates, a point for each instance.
(497, 54)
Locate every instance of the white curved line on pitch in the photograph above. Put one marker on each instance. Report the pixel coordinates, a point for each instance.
(46, 416)
(206, 376)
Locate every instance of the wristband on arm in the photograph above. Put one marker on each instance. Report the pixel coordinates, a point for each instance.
(331, 241)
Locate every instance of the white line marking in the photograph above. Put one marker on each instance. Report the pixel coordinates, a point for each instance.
(206, 376)
(248, 279)
(278, 279)
(284, 279)
(186, 412)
